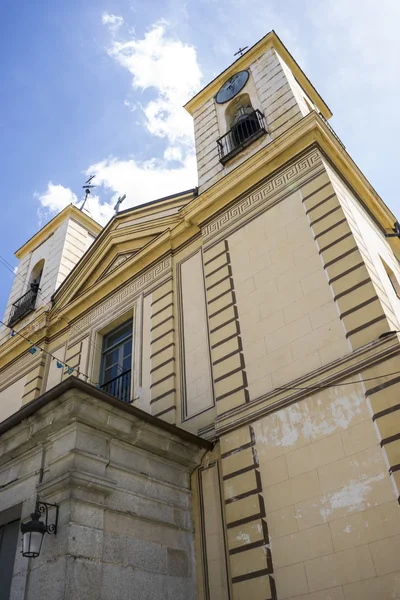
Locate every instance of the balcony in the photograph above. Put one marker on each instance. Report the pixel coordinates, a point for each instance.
(120, 386)
(246, 130)
(23, 306)
(332, 130)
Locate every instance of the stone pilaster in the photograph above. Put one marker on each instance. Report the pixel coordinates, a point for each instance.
(163, 370)
(230, 380)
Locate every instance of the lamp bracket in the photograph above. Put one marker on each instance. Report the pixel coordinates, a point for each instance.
(43, 508)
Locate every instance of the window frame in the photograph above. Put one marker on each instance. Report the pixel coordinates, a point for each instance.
(120, 346)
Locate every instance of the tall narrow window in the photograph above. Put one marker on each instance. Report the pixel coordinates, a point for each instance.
(36, 274)
(392, 278)
(116, 363)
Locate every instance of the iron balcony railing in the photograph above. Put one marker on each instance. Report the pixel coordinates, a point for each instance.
(120, 386)
(23, 305)
(248, 128)
(332, 130)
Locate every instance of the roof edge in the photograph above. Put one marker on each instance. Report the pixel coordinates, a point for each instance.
(70, 211)
(271, 39)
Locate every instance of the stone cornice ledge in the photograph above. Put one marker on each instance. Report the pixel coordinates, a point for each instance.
(76, 479)
(347, 366)
(75, 402)
(65, 298)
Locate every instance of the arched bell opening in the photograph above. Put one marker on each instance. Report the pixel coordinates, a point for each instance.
(244, 124)
(27, 303)
(36, 275)
(242, 119)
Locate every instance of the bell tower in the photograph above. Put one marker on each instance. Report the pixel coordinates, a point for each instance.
(44, 262)
(248, 106)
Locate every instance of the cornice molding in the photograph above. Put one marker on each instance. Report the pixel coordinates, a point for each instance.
(309, 132)
(16, 346)
(131, 289)
(70, 299)
(263, 195)
(68, 212)
(349, 365)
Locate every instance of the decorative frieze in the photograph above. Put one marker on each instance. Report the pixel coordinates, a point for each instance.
(136, 286)
(265, 193)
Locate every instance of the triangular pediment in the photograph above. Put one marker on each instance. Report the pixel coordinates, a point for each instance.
(120, 247)
(117, 262)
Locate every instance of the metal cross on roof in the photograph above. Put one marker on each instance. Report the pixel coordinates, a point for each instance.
(240, 51)
(119, 201)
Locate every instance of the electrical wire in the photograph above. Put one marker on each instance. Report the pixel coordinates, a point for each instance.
(8, 266)
(331, 385)
(36, 347)
(55, 310)
(281, 388)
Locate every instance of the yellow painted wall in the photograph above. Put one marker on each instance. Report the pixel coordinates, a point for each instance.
(309, 505)
(193, 336)
(373, 245)
(289, 322)
(11, 398)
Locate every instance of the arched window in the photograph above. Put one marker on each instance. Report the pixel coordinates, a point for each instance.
(243, 124)
(36, 276)
(242, 119)
(27, 302)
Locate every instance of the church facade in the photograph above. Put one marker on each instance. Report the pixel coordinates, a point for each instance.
(206, 388)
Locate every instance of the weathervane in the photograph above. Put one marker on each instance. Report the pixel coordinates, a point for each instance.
(119, 201)
(87, 187)
(240, 51)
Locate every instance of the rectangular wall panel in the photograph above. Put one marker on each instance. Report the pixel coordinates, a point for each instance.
(196, 369)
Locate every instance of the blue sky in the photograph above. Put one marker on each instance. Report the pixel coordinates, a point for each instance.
(96, 87)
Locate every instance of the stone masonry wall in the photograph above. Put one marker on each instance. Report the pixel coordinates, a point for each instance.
(123, 490)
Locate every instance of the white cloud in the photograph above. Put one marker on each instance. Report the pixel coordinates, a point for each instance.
(140, 181)
(113, 21)
(363, 35)
(143, 182)
(169, 68)
(56, 197)
(173, 153)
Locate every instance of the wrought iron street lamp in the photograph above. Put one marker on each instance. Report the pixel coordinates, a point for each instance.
(33, 531)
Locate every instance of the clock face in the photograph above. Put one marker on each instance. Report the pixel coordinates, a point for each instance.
(232, 87)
